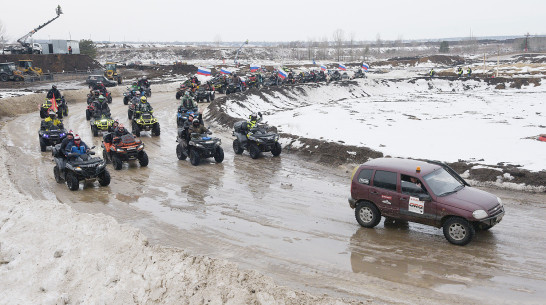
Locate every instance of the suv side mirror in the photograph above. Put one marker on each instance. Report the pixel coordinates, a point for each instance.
(424, 197)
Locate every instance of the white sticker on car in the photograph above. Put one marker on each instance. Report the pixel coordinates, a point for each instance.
(416, 206)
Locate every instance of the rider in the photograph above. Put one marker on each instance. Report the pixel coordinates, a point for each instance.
(53, 92)
(459, 71)
(143, 82)
(196, 127)
(66, 141)
(120, 131)
(187, 101)
(135, 87)
(468, 72)
(431, 73)
(253, 120)
(78, 147)
(100, 87)
(101, 107)
(143, 106)
(52, 121)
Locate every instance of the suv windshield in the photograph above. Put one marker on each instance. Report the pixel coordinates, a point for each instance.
(442, 183)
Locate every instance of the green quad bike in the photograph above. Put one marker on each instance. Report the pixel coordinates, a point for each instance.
(145, 121)
(101, 124)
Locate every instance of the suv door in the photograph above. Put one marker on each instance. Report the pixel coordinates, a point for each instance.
(413, 209)
(384, 193)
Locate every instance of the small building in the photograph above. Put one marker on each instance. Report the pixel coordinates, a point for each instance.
(60, 46)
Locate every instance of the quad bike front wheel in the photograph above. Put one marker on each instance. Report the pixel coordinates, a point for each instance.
(57, 174)
(219, 155)
(180, 152)
(237, 147)
(254, 151)
(72, 182)
(116, 162)
(195, 159)
(143, 159)
(156, 130)
(104, 178)
(277, 149)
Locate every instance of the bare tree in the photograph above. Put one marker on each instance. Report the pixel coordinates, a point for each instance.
(217, 40)
(338, 38)
(324, 48)
(352, 44)
(310, 48)
(2, 37)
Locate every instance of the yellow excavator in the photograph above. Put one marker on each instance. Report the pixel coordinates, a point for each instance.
(25, 66)
(111, 72)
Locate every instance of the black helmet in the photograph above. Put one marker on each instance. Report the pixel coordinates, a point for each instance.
(195, 122)
(54, 87)
(254, 117)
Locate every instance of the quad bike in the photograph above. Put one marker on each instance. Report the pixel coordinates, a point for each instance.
(259, 140)
(202, 94)
(232, 88)
(123, 149)
(198, 147)
(89, 111)
(50, 135)
(75, 168)
(101, 123)
(128, 95)
(359, 74)
(145, 121)
(183, 114)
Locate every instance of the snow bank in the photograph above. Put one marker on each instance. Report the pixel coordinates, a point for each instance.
(51, 254)
(439, 120)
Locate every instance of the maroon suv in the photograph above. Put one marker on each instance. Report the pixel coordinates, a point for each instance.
(428, 192)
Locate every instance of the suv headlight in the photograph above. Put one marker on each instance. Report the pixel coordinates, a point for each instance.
(499, 201)
(479, 214)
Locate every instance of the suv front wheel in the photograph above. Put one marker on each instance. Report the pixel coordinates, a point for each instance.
(367, 215)
(458, 231)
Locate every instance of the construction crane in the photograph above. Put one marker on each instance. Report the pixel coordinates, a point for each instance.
(238, 50)
(32, 48)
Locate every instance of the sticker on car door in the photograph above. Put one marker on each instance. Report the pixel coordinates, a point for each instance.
(386, 199)
(416, 206)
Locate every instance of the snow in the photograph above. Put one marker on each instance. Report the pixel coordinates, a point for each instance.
(439, 119)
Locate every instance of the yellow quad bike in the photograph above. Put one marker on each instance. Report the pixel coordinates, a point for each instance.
(103, 123)
(145, 121)
(25, 66)
(111, 72)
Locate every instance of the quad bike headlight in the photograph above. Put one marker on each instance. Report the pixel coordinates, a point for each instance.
(78, 169)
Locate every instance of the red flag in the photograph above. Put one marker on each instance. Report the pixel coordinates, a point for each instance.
(54, 104)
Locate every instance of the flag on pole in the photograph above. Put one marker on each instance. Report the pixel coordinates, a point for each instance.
(254, 67)
(224, 71)
(323, 67)
(282, 74)
(365, 66)
(54, 106)
(342, 67)
(203, 71)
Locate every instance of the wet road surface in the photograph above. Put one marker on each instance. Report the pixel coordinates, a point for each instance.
(289, 219)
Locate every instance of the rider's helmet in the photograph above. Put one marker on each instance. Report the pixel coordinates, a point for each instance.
(101, 98)
(121, 128)
(144, 77)
(195, 122)
(70, 133)
(187, 93)
(77, 139)
(254, 117)
(54, 87)
(135, 84)
(143, 99)
(190, 117)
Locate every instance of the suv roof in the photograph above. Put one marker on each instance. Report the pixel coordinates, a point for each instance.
(406, 166)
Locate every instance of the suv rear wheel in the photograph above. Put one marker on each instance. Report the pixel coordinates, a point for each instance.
(458, 231)
(367, 215)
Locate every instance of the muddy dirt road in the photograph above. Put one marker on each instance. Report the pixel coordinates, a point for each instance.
(290, 219)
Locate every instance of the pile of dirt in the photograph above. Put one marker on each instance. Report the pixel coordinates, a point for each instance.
(531, 58)
(56, 62)
(515, 82)
(444, 60)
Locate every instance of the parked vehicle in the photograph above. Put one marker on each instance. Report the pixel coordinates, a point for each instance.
(8, 71)
(93, 79)
(429, 193)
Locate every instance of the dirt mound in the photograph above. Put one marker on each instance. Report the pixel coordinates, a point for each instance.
(515, 82)
(56, 62)
(530, 58)
(445, 60)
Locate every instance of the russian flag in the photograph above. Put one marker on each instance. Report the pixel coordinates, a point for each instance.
(224, 71)
(323, 67)
(342, 67)
(282, 74)
(365, 66)
(254, 68)
(243, 81)
(203, 71)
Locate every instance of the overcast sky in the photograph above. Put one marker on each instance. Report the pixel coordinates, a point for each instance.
(271, 20)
